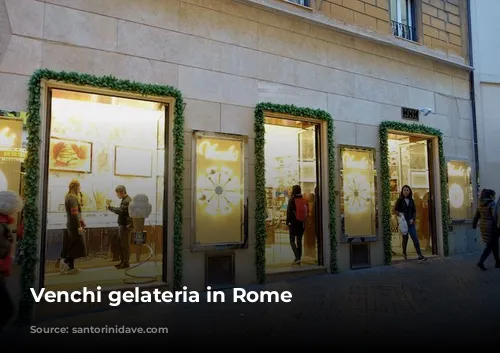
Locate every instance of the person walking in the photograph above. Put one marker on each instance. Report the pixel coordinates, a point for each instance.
(296, 217)
(124, 224)
(10, 204)
(405, 207)
(485, 213)
(74, 237)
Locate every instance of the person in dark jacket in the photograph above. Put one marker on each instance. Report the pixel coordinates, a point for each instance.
(489, 230)
(10, 204)
(74, 237)
(405, 206)
(296, 228)
(124, 225)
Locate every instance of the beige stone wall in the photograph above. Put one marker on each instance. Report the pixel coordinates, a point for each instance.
(444, 26)
(372, 14)
(226, 57)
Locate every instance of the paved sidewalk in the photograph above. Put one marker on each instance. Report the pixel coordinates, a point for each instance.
(440, 301)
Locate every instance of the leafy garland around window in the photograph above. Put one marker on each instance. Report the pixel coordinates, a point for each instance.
(385, 128)
(260, 178)
(30, 241)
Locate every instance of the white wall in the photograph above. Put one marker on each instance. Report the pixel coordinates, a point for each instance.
(485, 27)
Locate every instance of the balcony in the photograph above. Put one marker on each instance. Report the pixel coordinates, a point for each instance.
(404, 31)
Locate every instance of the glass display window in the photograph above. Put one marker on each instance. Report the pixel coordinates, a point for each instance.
(358, 203)
(460, 192)
(292, 159)
(103, 151)
(219, 189)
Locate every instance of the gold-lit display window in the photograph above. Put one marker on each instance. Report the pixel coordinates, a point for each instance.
(358, 201)
(219, 189)
(460, 190)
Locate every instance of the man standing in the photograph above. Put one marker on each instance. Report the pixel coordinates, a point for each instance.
(124, 225)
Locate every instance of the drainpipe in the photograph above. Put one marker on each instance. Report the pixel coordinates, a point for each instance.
(473, 95)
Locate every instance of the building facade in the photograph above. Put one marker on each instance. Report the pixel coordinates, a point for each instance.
(350, 100)
(486, 87)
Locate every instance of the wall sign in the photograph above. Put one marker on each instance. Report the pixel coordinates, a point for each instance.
(409, 114)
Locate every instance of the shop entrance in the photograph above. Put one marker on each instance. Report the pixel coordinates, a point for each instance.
(410, 163)
(292, 157)
(99, 149)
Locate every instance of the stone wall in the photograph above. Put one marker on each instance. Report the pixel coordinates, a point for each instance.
(226, 57)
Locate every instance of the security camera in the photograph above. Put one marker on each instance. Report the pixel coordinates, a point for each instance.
(426, 111)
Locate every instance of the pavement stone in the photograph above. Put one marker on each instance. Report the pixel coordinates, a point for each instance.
(443, 301)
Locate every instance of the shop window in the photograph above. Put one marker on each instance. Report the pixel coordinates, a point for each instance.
(292, 159)
(403, 19)
(460, 190)
(219, 184)
(101, 142)
(13, 138)
(358, 204)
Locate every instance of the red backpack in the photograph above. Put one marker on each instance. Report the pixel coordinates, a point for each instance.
(301, 209)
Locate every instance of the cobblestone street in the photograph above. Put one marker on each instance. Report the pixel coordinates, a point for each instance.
(440, 301)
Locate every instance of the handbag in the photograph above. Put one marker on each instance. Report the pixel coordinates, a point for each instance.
(403, 225)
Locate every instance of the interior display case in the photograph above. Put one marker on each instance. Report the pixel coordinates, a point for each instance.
(219, 184)
(460, 190)
(358, 192)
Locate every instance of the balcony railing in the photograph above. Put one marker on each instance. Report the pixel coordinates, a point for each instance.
(404, 31)
(306, 3)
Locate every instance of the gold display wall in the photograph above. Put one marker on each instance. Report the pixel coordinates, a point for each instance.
(460, 190)
(219, 177)
(358, 205)
(103, 142)
(11, 154)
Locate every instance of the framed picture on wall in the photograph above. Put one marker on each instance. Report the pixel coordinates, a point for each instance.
(70, 155)
(133, 162)
(419, 179)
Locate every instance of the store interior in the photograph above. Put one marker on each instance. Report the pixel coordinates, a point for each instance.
(291, 159)
(104, 141)
(409, 165)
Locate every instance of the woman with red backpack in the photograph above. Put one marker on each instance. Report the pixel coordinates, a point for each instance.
(296, 217)
(10, 204)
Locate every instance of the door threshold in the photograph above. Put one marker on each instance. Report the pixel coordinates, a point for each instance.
(429, 257)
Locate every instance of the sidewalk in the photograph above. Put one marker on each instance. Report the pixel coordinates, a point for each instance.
(439, 301)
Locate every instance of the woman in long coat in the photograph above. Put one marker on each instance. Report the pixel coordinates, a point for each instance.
(73, 240)
(488, 227)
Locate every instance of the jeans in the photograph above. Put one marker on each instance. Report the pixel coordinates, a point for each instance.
(296, 234)
(6, 305)
(491, 247)
(412, 232)
(123, 244)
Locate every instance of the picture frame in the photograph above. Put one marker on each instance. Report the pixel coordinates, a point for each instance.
(133, 162)
(419, 179)
(72, 156)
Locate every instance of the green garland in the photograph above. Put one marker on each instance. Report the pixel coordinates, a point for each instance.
(32, 162)
(260, 179)
(385, 128)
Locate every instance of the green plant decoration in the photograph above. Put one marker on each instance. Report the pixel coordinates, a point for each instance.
(385, 128)
(30, 242)
(260, 178)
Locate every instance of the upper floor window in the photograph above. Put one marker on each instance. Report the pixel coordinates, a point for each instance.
(306, 3)
(403, 22)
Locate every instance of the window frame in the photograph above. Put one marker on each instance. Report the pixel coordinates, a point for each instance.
(413, 14)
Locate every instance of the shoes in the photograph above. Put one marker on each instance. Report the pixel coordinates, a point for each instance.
(481, 266)
(296, 262)
(405, 257)
(421, 258)
(119, 265)
(122, 266)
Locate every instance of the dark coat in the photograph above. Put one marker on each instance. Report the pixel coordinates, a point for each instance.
(410, 211)
(124, 219)
(73, 242)
(484, 213)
